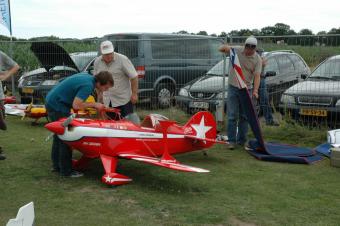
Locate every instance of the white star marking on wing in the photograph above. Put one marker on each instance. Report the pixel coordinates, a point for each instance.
(112, 179)
(201, 129)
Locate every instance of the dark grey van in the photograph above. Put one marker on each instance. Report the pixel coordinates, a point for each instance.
(165, 62)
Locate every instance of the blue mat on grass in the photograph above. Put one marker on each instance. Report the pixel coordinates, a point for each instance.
(324, 149)
(276, 152)
(273, 151)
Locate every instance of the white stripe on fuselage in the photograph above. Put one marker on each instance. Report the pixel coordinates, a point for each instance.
(78, 132)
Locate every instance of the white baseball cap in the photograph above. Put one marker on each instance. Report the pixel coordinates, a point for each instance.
(251, 40)
(106, 47)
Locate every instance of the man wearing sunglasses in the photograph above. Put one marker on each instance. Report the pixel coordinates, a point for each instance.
(251, 64)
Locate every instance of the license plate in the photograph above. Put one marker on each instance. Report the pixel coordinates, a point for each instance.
(313, 112)
(203, 105)
(27, 90)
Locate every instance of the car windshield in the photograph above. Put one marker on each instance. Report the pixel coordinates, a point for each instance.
(218, 68)
(329, 70)
(81, 60)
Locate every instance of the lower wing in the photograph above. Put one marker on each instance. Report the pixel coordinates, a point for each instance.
(171, 164)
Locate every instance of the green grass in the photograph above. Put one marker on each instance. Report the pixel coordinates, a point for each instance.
(239, 190)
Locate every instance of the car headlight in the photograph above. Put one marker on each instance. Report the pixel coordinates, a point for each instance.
(337, 104)
(219, 96)
(287, 99)
(20, 83)
(49, 83)
(183, 92)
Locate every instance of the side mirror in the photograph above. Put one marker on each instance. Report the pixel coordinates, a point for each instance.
(304, 76)
(270, 73)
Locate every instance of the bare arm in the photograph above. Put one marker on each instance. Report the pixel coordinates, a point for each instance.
(256, 85)
(79, 104)
(134, 89)
(224, 48)
(4, 76)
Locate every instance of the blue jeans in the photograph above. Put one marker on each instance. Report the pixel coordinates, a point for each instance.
(237, 120)
(61, 154)
(264, 101)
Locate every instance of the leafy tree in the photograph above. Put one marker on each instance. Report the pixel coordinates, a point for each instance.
(321, 33)
(256, 32)
(234, 33)
(223, 34)
(334, 31)
(202, 33)
(281, 29)
(306, 31)
(182, 32)
(269, 30)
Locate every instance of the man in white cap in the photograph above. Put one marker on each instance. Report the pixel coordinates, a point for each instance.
(125, 91)
(251, 65)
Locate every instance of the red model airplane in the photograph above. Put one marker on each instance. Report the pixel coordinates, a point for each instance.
(152, 142)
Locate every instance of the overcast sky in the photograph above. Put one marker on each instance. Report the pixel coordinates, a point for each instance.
(90, 18)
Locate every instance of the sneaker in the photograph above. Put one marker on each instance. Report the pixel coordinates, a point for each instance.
(273, 123)
(230, 146)
(2, 157)
(247, 147)
(54, 170)
(76, 174)
(1, 150)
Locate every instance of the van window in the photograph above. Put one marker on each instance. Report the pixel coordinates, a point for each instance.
(298, 63)
(165, 48)
(125, 44)
(197, 49)
(271, 65)
(285, 64)
(181, 48)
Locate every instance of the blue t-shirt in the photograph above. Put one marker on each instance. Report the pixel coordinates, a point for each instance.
(61, 97)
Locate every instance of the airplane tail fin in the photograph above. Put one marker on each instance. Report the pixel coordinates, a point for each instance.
(202, 127)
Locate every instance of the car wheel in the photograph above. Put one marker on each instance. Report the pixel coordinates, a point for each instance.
(164, 95)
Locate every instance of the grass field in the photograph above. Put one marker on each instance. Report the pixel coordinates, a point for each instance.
(239, 190)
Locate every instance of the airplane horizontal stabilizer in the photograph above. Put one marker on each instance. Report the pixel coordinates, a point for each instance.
(171, 164)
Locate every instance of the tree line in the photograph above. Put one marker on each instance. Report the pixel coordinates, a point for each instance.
(279, 29)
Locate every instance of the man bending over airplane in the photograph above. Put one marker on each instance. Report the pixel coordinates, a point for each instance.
(72, 93)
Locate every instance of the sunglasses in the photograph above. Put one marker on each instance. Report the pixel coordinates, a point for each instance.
(250, 46)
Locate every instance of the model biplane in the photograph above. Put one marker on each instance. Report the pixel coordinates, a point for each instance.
(154, 141)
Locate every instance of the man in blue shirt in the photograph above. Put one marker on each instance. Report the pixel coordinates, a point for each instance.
(72, 93)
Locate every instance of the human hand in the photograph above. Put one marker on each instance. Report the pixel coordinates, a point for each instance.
(134, 98)
(224, 48)
(255, 94)
(3, 76)
(99, 106)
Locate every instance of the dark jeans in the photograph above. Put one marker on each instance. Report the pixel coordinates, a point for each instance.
(237, 127)
(61, 153)
(124, 111)
(264, 101)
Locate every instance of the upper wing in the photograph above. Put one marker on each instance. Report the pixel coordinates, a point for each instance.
(171, 164)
